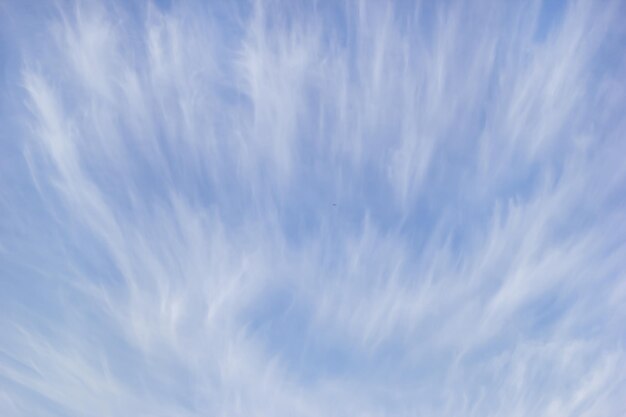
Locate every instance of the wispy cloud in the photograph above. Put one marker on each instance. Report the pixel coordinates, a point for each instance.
(337, 208)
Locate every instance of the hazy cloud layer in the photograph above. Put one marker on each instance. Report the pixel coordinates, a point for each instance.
(332, 208)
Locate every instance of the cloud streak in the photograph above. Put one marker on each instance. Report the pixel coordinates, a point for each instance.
(341, 208)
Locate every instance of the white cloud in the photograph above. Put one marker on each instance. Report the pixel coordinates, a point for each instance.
(326, 209)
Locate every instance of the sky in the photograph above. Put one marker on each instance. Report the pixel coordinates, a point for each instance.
(312, 208)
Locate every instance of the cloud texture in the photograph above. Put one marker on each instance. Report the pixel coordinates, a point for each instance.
(327, 208)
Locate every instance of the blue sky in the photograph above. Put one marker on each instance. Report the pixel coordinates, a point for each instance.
(328, 208)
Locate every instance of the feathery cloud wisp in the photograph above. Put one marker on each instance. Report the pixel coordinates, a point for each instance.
(355, 208)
